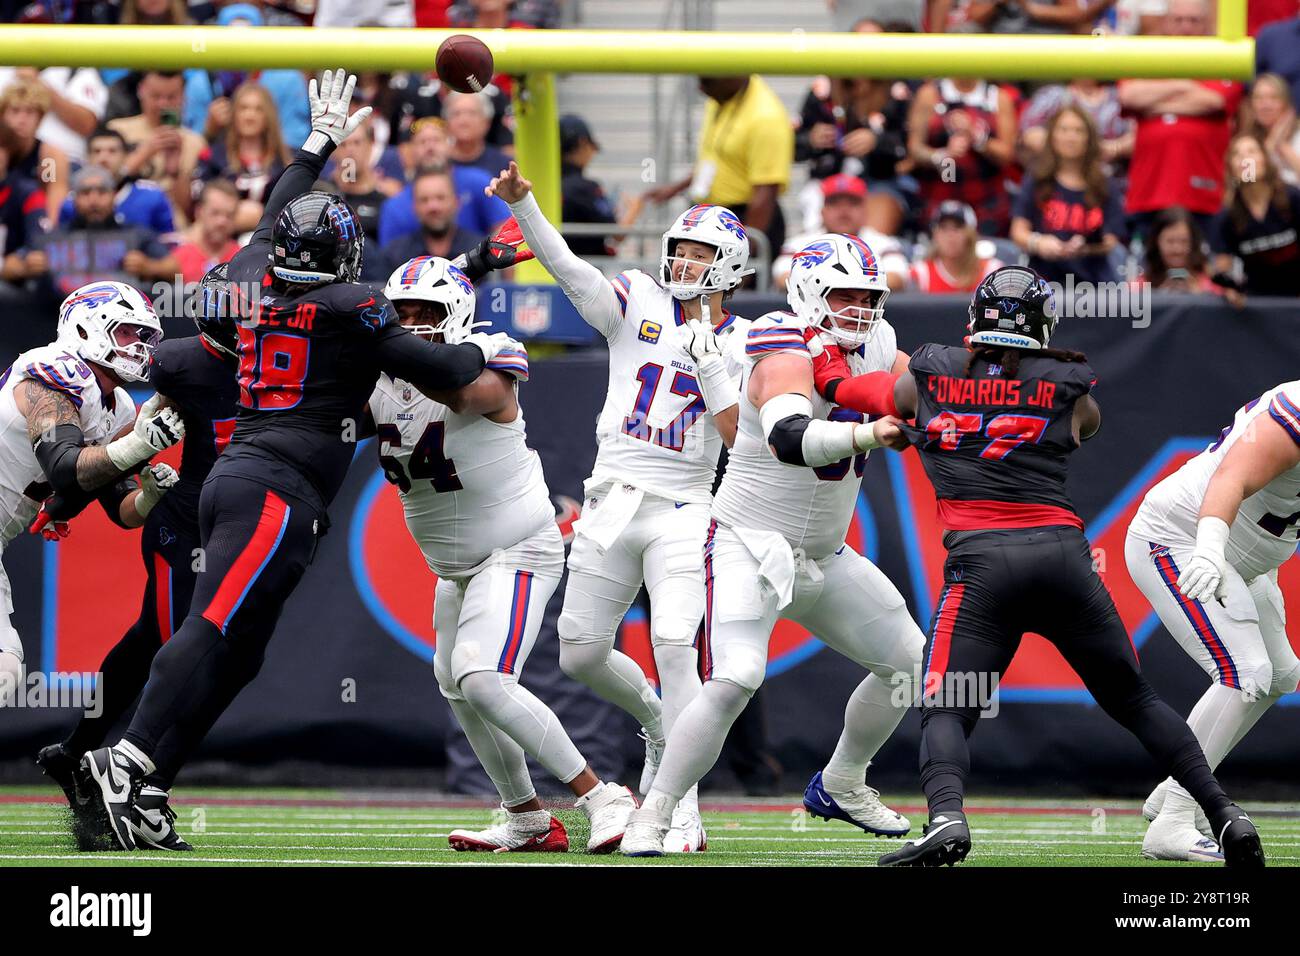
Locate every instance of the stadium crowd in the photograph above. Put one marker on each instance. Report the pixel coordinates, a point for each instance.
(1192, 186)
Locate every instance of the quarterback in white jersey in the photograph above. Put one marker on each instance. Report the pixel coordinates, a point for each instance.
(776, 547)
(67, 434)
(477, 505)
(1204, 547)
(670, 406)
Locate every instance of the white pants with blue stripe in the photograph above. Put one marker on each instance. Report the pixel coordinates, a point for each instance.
(1242, 643)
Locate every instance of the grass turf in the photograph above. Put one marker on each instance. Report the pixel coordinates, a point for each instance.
(397, 828)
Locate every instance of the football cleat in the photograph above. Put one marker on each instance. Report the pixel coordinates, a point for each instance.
(946, 841)
(153, 821)
(644, 837)
(608, 808)
(1156, 801)
(65, 770)
(513, 837)
(1171, 839)
(1239, 839)
(860, 806)
(686, 833)
(117, 777)
(654, 752)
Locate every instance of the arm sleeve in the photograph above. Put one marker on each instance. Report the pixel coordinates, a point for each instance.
(424, 364)
(587, 288)
(297, 178)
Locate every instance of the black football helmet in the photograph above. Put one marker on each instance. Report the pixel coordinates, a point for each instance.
(316, 239)
(214, 311)
(1013, 307)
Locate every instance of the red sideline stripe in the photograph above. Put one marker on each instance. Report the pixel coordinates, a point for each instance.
(518, 618)
(250, 562)
(162, 585)
(945, 618)
(957, 515)
(706, 651)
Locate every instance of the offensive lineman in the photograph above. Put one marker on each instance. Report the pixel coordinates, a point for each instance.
(776, 547)
(312, 343)
(671, 404)
(66, 425)
(1204, 547)
(477, 504)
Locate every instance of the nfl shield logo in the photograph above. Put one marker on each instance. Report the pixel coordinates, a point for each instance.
(532, 311)
(406, 393)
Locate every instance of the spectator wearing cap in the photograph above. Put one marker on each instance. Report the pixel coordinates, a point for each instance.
(434, 194)
(161, 149)
(1068, 216)
(94, 245)
(210, 240)
(1183, 128)
(746, 148)
(954, 263)
(858, 125)
(469, 117)
(844, 210)
(138, 202)
(78, 98)
(23, 107)
(962, 136)
(208, 105)
(429, 149)
(22, 209)
(584, 199)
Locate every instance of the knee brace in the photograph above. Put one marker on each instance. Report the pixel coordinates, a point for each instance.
(1254, 677)
(581, 658)
(1286, 677)
(486, 692)
(741, 665)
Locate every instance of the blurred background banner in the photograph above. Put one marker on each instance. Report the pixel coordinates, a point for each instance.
(348, 686)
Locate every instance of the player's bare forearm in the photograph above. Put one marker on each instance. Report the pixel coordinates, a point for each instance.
(45, 409)
(726, 422)
(905, 396)
(128, 512)
(1256, 458)
(492, 394)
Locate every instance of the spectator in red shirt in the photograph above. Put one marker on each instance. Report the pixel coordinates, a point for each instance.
(954, 263)
(211, 240)
(1182, 133)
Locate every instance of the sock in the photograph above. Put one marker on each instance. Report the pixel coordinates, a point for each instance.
(502, 759)
(1222, 717)
(136, 754)
(697, 739)
(525, 720)
(530, 821)
(869, 718)
(679, 679)
(616, 678)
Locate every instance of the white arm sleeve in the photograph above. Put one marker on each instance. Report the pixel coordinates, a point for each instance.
(584, 284)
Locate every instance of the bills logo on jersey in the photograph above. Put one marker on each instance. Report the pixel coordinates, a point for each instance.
(649, 331)
(813, 254)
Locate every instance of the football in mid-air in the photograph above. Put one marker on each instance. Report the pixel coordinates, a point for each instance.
(464, 63)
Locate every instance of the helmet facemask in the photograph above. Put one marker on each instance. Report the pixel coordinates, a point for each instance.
(130, 349)
(853, 326)
(710, 278)
(713, 227)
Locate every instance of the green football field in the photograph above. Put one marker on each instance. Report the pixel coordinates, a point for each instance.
(397, 828)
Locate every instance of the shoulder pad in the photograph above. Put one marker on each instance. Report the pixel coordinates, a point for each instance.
(57, 369)
(776, 332)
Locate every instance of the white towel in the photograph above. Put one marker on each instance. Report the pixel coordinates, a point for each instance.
(604, 519)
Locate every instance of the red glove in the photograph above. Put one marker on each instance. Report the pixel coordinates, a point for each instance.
(829, 367)
(49, 527)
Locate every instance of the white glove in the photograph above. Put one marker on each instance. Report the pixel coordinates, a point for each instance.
(1202, 577)
(329, 109)
(155, 428)
(717, 386)
(491, 344)
(155, 481)
(700, 340)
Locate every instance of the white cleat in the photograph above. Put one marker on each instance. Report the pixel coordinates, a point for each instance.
(644, 837)
(608, 808)
(1171, 839)
(535, 832)
(1156, 802)
(654, 752)
(686, 834)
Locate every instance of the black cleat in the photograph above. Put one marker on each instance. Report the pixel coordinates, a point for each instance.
(1239, 840)
(117, 778)
(946, 841)
(65, 770)
(153, 822)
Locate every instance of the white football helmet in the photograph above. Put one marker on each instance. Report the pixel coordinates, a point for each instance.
(435, 279)
(111, 324)
(715, 226)
(837, 261)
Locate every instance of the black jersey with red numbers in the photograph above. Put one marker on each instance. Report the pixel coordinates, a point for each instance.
(996, 448)
(201, 382)
(309, 357)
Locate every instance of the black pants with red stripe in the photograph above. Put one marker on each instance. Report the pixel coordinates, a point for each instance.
(999, 585)
(256, 543)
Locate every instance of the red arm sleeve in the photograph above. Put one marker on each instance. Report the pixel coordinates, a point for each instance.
(872, 393)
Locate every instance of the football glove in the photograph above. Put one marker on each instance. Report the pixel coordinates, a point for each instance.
(699, 339)
(1202, 577)
(491, 255)
(155, 481)
(329, 109)
(48, 526)
(490, 344)
(156, 428)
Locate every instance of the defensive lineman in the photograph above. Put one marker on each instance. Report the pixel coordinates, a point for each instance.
(1205, 547)
(477, 504)
(671, 403)
(776, 547)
